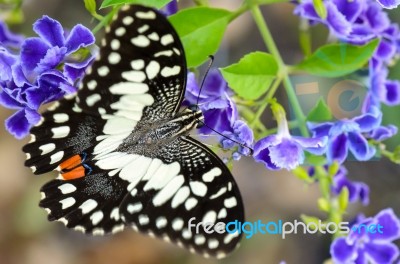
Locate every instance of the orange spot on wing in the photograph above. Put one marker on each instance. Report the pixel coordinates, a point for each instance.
(71, 163)
(76, 173)
(72, 168)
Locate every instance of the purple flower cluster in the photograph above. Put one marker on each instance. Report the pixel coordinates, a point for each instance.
(220, 111)
(374, 246)
(358, 191)
(359, 22)
(44, 69)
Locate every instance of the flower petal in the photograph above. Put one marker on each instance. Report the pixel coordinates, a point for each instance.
(79, 36)
(381, 253)
(336, 20)
(316, 146)
(368, 122)
(342, 252)
(389, 4)
(383, 132)
(8, 101)
(337, 149)
(392, 92)
(18, 125)
(51, 60)
(261, 151)
(359, 146)
(288, 154)
(32, 51)
(320, 130)
(50, 30)
(7, 38)
(390, 227)
(6, 61)
(385, 50)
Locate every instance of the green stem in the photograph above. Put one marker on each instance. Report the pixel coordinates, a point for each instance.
(105, 20)
(271, 46)
(265, 101)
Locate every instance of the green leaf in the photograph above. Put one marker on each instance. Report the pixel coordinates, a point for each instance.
(201, 30)
(320, 8)
(152, 3)
(320, 112)
(333, 169)
(252, 75)
(336, 60)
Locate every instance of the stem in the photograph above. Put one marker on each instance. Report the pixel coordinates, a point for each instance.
(266, 100)
(271, 46)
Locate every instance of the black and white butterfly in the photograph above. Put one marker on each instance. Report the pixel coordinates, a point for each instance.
(122, 148)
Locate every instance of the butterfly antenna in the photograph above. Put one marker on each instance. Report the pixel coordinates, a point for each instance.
(204, 78)
(222, 135)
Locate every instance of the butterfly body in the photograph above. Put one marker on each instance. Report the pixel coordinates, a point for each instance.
(122, 148)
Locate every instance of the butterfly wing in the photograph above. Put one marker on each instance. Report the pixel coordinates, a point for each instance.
(140, 74)
(185, 180)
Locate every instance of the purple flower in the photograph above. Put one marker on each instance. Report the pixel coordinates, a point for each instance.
(171, 8)
(218, 108)
(283, 150)
(358, 191)
(45, 70)
(347, 134)
(382, 89)
(241, 133)
(369, 247)
(390, 4)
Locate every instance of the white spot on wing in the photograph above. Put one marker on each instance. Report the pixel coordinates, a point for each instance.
(88, 206)
(115, 44)
(92, 84)
(67, 202)
(47, 148)
(67, 188)
(129, 88)
(209, 176)
(161, 222)
(56, 157)
(198, 188)
(93, 99)
(120, 31)
(177, 224)
(137, 64)
(134, 76)
(140, 41)
(146, 15)
(135, 208)
(143, 219)
(60, 117)
(152, 69)
(168, 71)
(114, 58)
(190, 203)
(96, 217)
(180, 196)
(60, 132)
(167, 39)
(103, 70)
(127, 20)
(230, 202)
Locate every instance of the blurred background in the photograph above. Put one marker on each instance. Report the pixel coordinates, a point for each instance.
(27, 237)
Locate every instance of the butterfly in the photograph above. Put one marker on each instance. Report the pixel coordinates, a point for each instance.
(122, 149)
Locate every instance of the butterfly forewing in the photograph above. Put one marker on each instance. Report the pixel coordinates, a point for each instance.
(120, 161)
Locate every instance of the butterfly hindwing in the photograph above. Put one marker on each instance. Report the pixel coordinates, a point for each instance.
(88, 204)
(185, 181)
